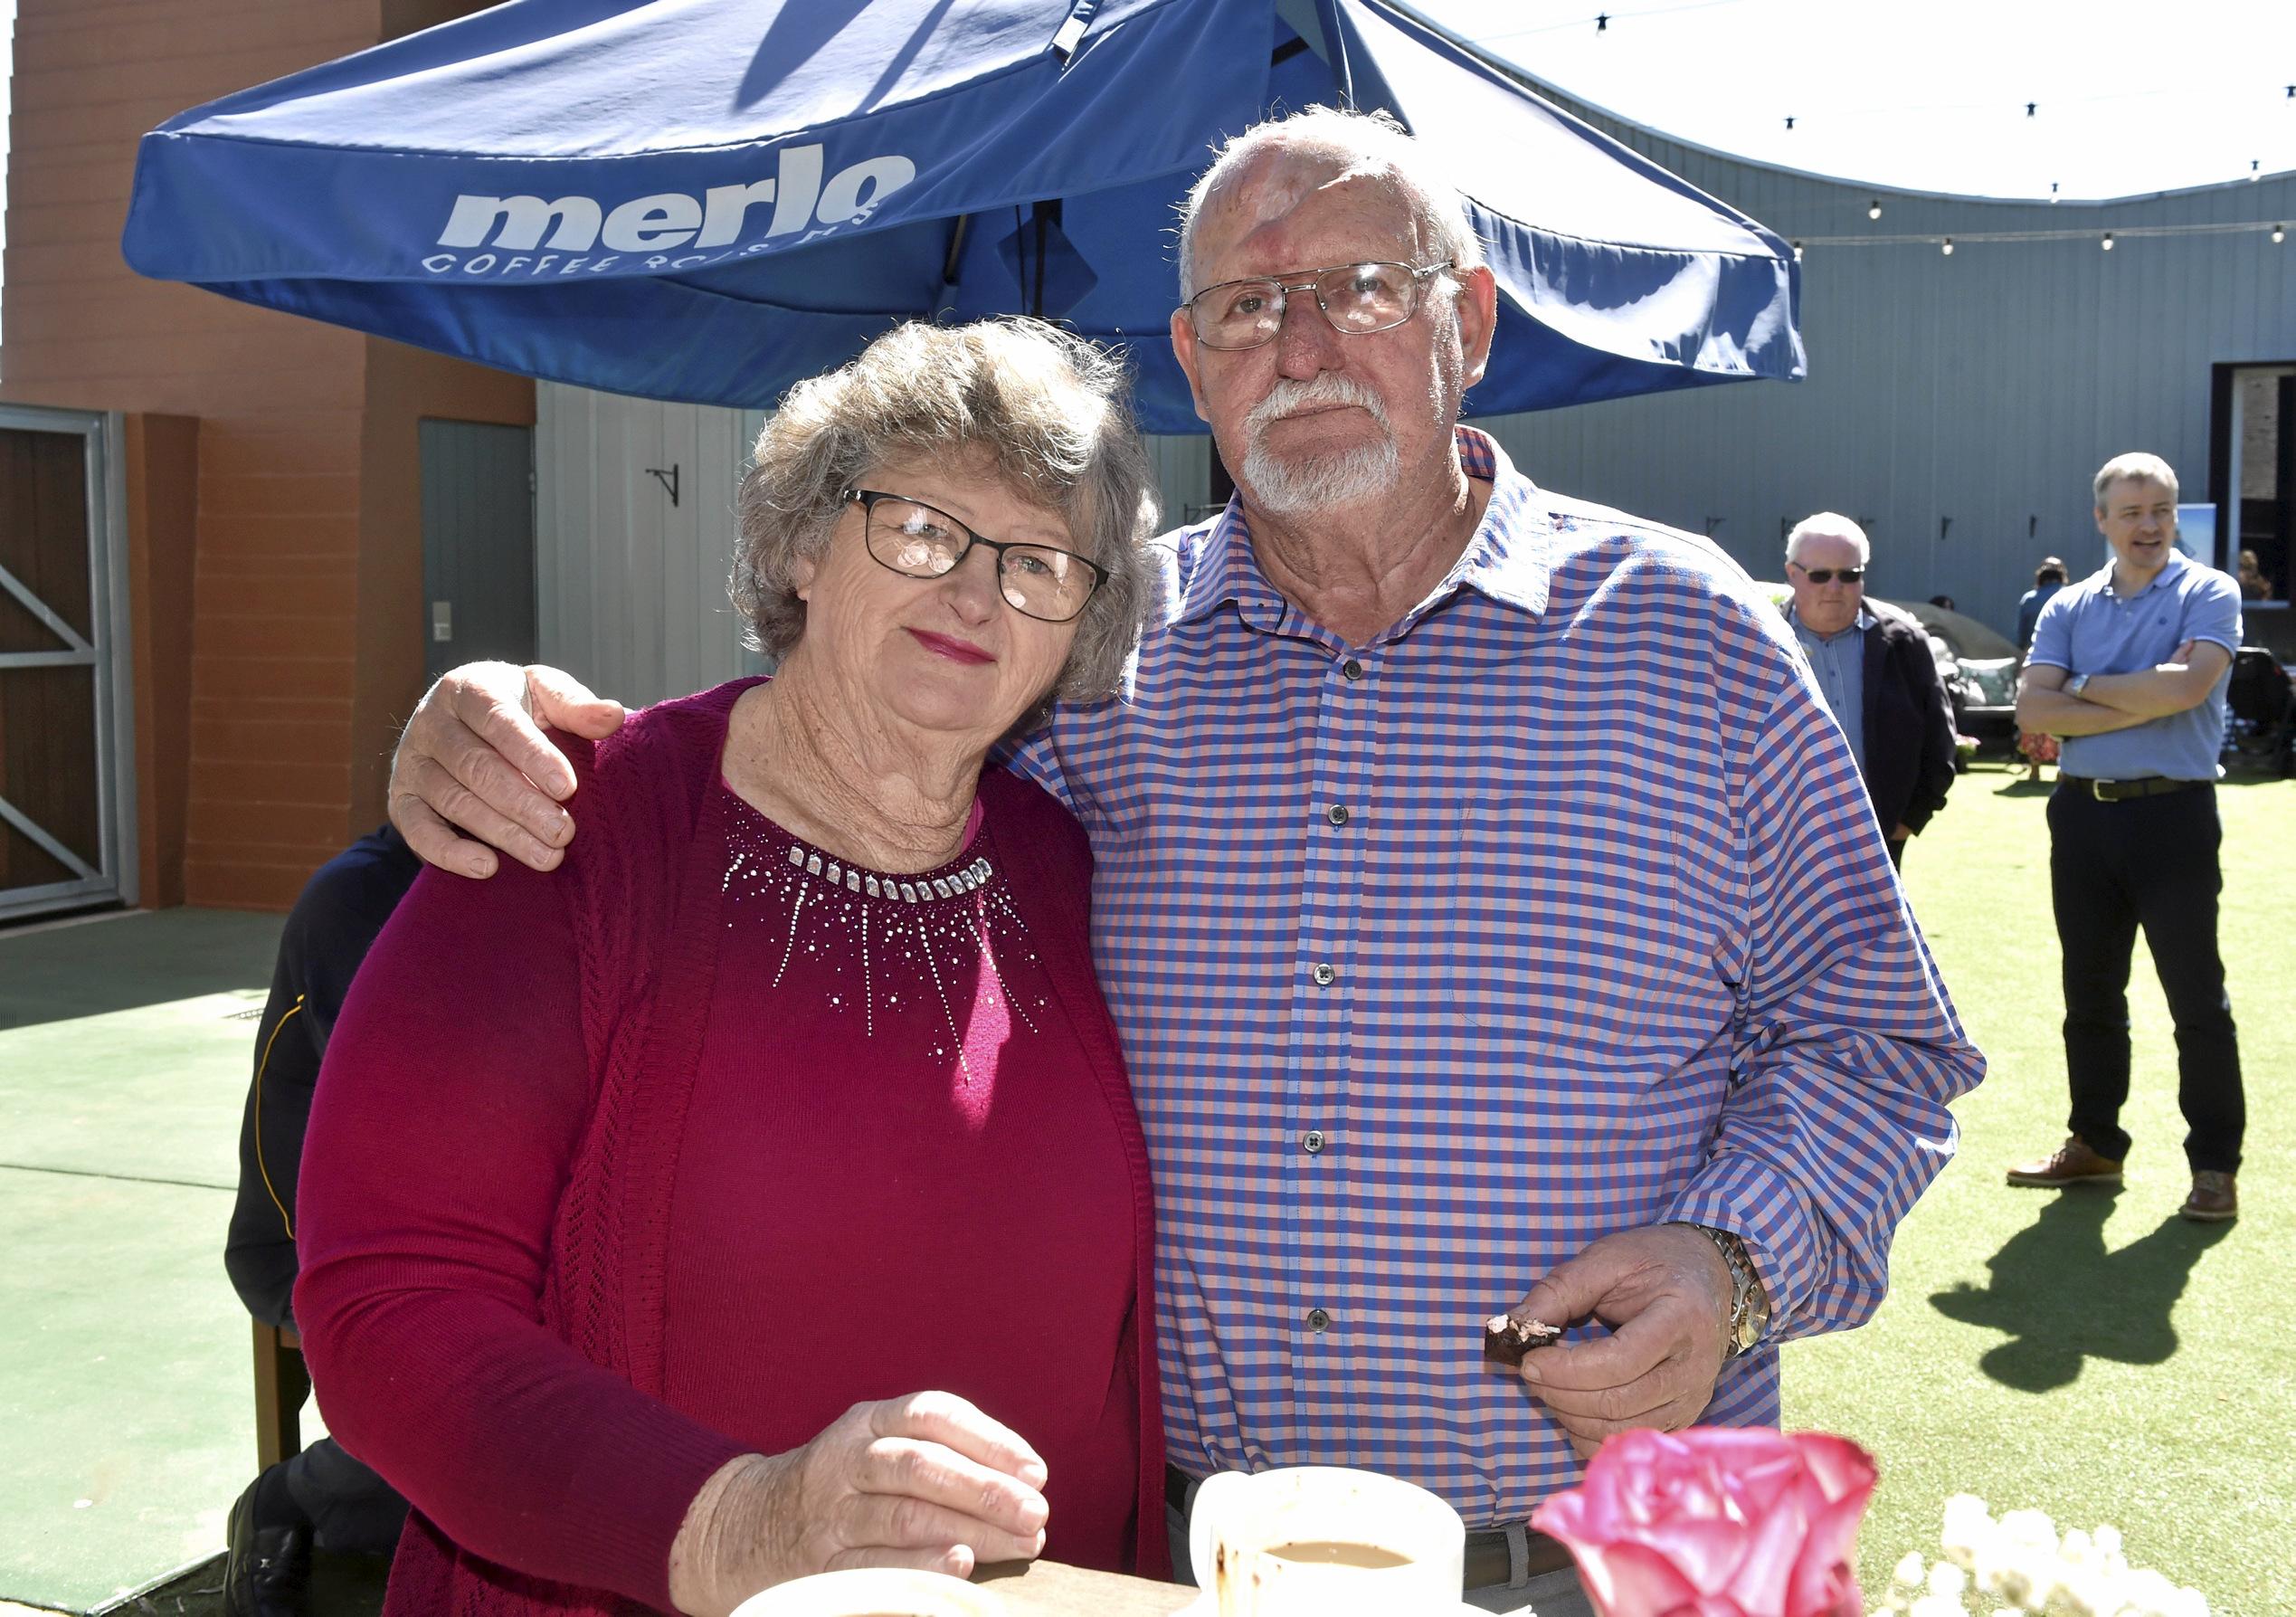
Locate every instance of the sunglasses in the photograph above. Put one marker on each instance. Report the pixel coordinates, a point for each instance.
(1828, 575)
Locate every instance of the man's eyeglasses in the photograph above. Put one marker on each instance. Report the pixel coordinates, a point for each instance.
(917, 541)
(1828, 575)
(1356, 300)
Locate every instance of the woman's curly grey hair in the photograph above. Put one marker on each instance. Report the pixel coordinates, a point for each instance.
(1051, 412)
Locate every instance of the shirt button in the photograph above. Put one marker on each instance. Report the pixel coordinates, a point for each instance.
(1324, 975)
(1351, 669)
(1336, 814)
(1317, 1320)
(1312, 1142)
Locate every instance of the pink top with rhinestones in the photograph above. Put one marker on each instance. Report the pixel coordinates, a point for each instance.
(677, 1152)
(891, 1106)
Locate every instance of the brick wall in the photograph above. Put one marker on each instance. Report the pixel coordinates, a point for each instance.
(305, 600)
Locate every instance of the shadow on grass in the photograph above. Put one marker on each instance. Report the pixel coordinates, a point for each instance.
(2064, 1299)
(2022, 787)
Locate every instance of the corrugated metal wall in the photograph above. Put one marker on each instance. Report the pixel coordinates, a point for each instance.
(631, 588)
(1987, 386)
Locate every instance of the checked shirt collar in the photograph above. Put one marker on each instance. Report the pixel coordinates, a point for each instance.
(1508, 559)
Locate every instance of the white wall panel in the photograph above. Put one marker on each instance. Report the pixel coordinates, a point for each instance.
(633, 587)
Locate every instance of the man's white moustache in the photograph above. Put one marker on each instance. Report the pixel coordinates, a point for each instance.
(1325, 389)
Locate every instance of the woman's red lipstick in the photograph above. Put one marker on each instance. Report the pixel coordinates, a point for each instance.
(956, 651)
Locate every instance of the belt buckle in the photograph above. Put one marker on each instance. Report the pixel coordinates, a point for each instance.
(2109, 791)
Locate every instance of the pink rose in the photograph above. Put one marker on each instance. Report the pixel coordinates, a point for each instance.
(1717, 1522)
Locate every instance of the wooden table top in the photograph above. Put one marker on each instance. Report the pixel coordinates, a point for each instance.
(1048, 1588)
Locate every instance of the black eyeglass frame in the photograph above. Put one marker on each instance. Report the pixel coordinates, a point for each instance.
(1828, 575)
(1314, 282)
(867, 498)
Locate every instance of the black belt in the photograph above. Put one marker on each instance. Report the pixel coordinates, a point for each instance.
(2116, 791)
(1489, 1562)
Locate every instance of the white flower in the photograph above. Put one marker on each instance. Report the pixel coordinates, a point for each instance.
(2016, 1573)
(1968, 1525)
(1909, 1570)
(1948, 1580)
(2032, 1527)
(2108, 1539)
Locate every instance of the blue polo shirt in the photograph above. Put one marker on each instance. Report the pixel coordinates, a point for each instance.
(2086, 629)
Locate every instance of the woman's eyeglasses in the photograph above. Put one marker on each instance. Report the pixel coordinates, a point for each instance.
(917, 541)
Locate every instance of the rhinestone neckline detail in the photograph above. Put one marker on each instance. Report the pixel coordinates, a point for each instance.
(971, 879)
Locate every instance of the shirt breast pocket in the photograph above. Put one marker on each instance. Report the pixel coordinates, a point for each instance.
(1580, 950)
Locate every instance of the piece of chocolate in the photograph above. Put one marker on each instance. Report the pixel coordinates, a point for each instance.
(1505, 1338)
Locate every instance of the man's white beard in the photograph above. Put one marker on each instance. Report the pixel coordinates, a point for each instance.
(1308, 481)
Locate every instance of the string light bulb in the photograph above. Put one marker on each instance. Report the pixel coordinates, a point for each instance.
(1602, 22)
(1874, 209)
(1948, 248)
(2107, 243)
(1789, 123)
(2030, 107)
(2279, 235)
(1798, 250)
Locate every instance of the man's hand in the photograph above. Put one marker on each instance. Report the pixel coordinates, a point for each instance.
(471, 756)
(1667, 1292)
(924, 1481)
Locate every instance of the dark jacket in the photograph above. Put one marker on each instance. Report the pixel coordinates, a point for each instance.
(1909, 727)
(327, 934)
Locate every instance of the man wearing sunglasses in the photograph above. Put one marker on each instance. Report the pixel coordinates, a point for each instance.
(1877, 675)
(1490, 909)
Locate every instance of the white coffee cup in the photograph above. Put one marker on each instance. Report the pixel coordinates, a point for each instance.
(1324, 1541)
(873, 1592)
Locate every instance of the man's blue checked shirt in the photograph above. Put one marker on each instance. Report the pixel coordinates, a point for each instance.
(1558, 910)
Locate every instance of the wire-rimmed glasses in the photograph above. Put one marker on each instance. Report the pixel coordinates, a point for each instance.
(921, 541)
(1356, 300)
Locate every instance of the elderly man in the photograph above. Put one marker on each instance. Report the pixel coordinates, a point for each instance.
(2130, 666)
(1877, 675)
(1494, 917)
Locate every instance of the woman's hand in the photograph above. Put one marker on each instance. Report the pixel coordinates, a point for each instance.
(925, 1482)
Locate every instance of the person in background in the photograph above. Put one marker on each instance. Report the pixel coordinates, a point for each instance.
(1944, 603)
(2254, 585)
(2130, 667)
(2048, 578)
(1878, 674)
(764, 1195)
(1493, 915)
(323, 1495)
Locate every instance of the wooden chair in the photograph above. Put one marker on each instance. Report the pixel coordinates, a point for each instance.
(282, 1382)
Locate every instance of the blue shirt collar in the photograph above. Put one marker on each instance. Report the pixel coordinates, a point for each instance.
(2176, 563)
(1509, 558)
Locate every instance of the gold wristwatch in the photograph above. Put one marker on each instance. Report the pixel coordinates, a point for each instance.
(1749, 1302)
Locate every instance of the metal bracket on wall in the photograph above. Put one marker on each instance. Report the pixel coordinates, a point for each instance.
(668, 479)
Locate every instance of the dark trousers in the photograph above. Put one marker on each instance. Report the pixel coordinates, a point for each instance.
(352, 1510)
(2149, 862)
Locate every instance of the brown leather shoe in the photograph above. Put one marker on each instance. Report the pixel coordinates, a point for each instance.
(2214, 1199)
(2074, 1163)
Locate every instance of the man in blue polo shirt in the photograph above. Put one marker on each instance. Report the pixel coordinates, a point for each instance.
(2130, 666)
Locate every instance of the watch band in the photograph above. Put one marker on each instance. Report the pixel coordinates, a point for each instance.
(1749, 1310)
(2076, 685)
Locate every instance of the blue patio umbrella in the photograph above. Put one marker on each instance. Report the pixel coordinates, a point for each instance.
(705, 200)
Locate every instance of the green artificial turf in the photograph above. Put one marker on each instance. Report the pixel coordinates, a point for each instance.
(2086, 1353)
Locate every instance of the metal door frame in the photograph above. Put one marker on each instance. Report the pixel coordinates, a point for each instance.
(115, 875)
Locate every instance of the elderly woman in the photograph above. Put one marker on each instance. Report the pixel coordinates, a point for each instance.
(766, 1196)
